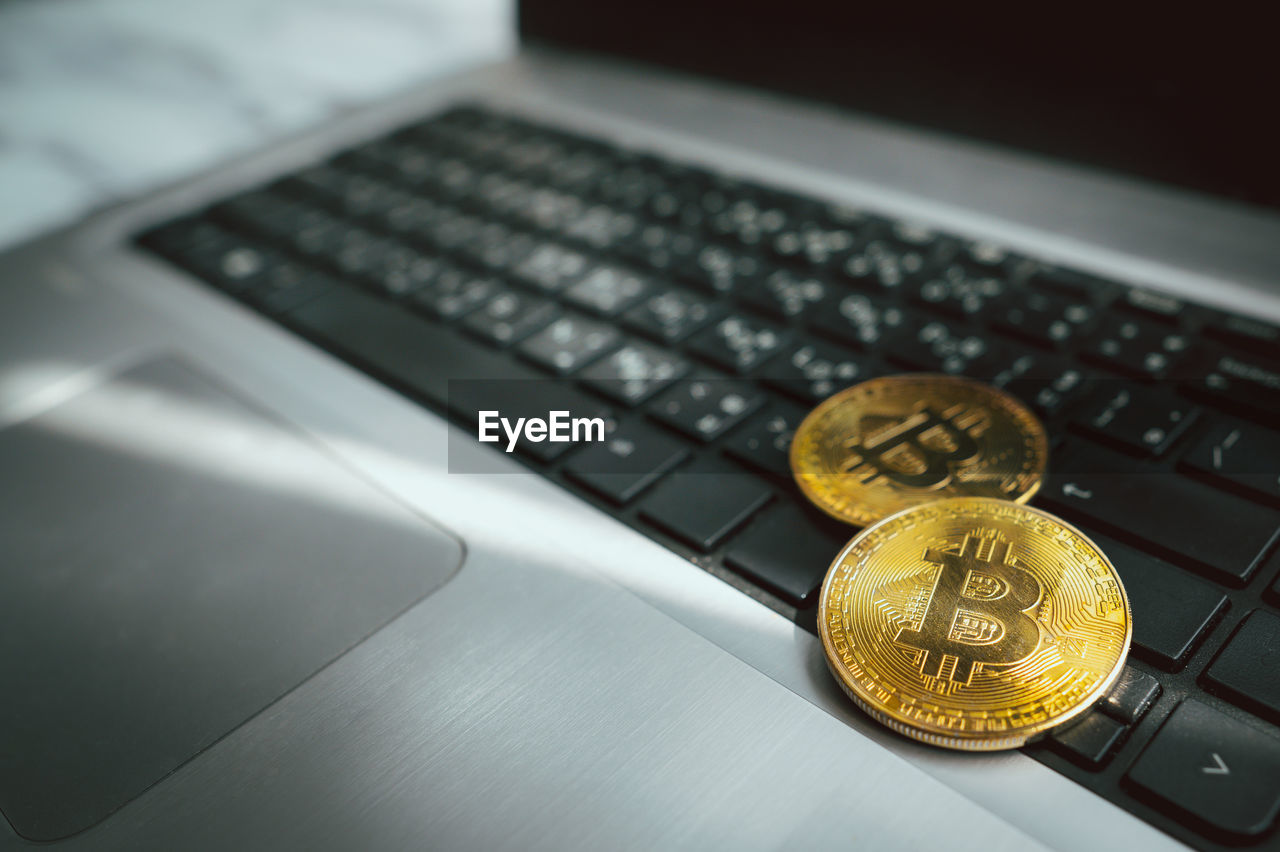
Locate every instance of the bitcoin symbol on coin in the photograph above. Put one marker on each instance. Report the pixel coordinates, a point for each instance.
(976, 612)
(918, 452)
(973, 623)
(899, 441)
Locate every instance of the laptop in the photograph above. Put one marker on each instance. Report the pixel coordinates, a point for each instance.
(275, 575)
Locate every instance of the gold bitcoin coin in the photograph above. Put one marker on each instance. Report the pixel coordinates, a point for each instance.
(974, 623)
(898, 441)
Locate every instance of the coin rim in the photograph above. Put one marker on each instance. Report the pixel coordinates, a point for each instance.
(949, 739)
(811, 494)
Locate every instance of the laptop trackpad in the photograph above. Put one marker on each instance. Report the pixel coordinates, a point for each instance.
(172, 560)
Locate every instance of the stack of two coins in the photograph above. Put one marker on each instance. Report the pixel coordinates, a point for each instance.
(959, 616)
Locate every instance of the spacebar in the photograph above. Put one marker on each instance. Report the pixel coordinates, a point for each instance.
(409, 353)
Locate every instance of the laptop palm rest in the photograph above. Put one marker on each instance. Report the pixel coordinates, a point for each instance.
(173, 559)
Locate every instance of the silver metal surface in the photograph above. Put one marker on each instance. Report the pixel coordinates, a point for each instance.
(496, 713)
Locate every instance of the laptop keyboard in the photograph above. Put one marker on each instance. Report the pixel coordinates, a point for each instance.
(703, 315)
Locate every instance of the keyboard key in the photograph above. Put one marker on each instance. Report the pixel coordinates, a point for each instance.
(788, 550)
(1247, 670)
(784, 293)
(673, 315)
(569, 343)
(739, 343)
(703, 504)
(634, 373)
(1091, 741)
(1136, 348)
(454, 293)
(1257, 337)
(401, 348)
(885, 264)
(722, 270)
(629, 461)
(1043, 318)
(1131, 696)
(551, 267)
(286, 286)
(608, 290)
(1135, 419)
(1173, 611)
(1151, 304)
(510, 317)
(939, 348)
(957, 291)
(859, 319)
(1187, 522)
(1243, 384)
(814, 371)
(706, 405)
(1048, 384)
(765, 442)
(1077, 285)
(1219, 773)
(1239, 456)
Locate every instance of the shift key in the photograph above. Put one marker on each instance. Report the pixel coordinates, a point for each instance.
(1217, 534)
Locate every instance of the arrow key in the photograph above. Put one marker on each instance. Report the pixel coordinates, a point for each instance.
(1220, 774)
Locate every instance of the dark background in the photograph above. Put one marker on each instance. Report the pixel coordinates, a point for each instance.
(1185, 97)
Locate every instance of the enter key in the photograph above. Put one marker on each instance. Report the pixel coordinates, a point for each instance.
(1185, 521)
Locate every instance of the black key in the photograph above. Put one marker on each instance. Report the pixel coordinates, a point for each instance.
(1244, 384)
(454, 292)
(703, 504)
(939, 348)
(608, 290)
(721, 269)
(634, 373)
(569, 343)
(662, 249)
(1043, 318)
(402, 349)
(706, 405)
(1219, 773)
(1048, 384)
(1091, 741)
(787, 551)
(498, 248)
(957, 291)
(509, 317)
(286, 286)
(1173, 611)
(1078, 285)
(885, 264)
(602, 227)
(1136, 348)
(1247, 670)
(765, 442)
(1135, 419)
(1131, 696)
(859, 319)
(1185, 521)
(814, 371)
(1151, 304)
(1239, 456)
(739, 343)
(1260, 338)
(399, 271)
(673, 315)
(551, 267)
(629, 461)
(785, 293)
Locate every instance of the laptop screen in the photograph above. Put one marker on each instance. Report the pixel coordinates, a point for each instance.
(1181, 98)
